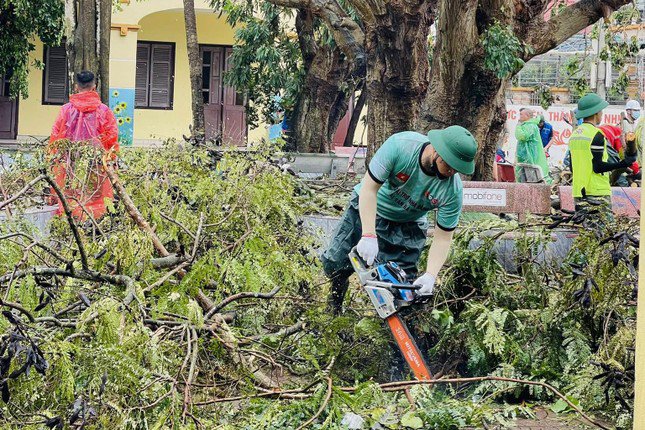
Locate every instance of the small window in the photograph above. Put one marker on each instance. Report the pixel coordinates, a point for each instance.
(55, 83)
(155, 75)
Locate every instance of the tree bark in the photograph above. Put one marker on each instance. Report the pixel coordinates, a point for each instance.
(322, 102)
(87, 20)
(398, 68)
(105, 21)
(195, 70)
(331, 73)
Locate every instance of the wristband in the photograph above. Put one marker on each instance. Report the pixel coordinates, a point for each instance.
(372, 235)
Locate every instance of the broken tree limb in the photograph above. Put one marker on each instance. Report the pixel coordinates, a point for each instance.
(87, 275)
(180, 225)
(219, 328)
(222, 331)
(165, 277)
(239, 296)
(287, 331)
(19, 308)
(167, 261)
(130, 207)
(306, 392)
(322, 407)
(70, 219)
(22, 191)
(402, 385)
(38, 244)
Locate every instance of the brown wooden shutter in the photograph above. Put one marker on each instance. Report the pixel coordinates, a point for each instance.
(161, 76)
(56, 75)
(142, 75)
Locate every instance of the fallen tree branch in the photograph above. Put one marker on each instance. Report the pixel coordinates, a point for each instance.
(70, 220)
(287, 331)
(180, 225)
(86, 275)
(295, 394)
(38, 244)
(197, 237)
(131, 208)
(322, 406)
(221, 330)
(22, 191)
(165, 277)
(19, 308)
(403, 385)
(239, 296)
(167, 261)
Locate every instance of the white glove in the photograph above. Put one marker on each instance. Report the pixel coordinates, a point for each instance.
(426, 282)
(367, 248)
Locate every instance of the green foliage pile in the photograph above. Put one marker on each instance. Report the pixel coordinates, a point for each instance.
(569, 323)
(129, 342)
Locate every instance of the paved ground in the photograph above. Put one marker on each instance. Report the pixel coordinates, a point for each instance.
(547, 420)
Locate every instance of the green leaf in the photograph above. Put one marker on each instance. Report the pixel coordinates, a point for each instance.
(412, 421)
(559, 406)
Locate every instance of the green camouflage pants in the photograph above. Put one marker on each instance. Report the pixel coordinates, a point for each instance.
(398, 242)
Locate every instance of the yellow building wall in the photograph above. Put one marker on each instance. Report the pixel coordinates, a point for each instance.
(34, 118)
(169, 27)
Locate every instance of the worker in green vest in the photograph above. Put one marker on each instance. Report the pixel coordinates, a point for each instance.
(589, 157)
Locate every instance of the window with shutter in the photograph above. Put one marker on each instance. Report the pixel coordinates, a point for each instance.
(55, 88)
(155, 75)
(143, 71)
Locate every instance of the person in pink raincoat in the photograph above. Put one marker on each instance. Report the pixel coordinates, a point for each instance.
(84, 120)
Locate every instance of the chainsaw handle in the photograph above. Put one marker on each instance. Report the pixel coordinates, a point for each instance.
(365, 273)
(354, 252)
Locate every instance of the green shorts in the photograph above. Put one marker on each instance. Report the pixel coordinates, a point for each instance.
(398, 242)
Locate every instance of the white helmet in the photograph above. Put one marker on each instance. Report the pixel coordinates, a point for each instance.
(633, 105)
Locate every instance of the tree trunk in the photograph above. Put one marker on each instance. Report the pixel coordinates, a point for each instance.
(397, 68)
(480, 107)
(87, 19)
(462, 91)
(105, 21)
(322, 102)
(195, 70)
(356, 116)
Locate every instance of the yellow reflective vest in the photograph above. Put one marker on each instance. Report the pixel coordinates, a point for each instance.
(584, 178)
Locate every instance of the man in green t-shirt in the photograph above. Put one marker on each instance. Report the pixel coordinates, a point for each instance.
(410, 175)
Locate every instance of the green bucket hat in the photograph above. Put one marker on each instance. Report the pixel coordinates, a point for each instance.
(590, 104)
(456, 146)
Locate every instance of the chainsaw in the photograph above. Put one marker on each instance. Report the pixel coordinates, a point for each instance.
(390, 291)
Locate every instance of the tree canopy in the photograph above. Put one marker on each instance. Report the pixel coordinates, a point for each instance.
(21, 23)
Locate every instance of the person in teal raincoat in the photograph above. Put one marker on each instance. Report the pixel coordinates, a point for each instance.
(529, 143)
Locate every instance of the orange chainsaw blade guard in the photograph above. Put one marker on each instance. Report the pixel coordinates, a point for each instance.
(409, 348)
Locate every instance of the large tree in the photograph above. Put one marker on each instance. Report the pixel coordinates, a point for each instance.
(88, 40)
